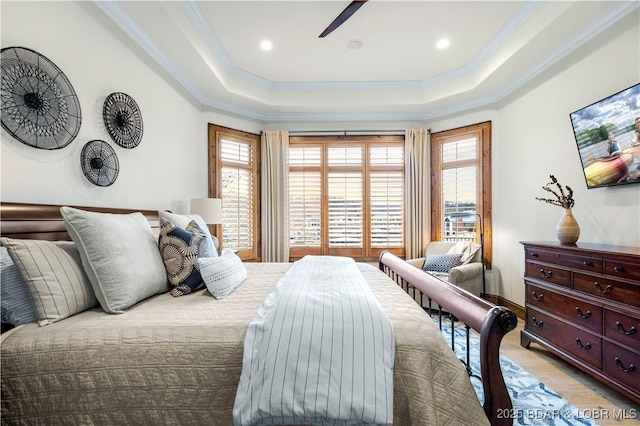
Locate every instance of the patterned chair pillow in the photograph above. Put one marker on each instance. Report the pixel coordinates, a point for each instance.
(180, 249)
(222, 274)
(442, 262)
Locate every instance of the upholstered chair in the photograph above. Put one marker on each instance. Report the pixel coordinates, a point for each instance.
(440, 261)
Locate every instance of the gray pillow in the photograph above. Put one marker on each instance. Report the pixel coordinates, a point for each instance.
(222, 274)
(15, 303)
(54, 276)
(120, 255)
(442, 262)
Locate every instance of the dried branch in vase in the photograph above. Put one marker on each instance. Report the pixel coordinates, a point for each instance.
(563, 199)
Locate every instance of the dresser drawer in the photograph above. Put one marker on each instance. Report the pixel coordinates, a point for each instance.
(622, 328)
(579, 343)
(585, 263)
(624, 292)
(580, 313)
(548, 273)
(625, 270)
(622, 364)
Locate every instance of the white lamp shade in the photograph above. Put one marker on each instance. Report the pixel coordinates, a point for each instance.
(210, 209)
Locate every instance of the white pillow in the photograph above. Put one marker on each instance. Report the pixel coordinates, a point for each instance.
(120, 256)
(182, 221)
(222, 274)
(468, 249)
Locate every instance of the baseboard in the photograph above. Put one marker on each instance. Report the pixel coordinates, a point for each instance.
(499, 300)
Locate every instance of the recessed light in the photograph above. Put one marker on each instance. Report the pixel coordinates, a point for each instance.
(354, 44)
(443, 43)
(266, 45)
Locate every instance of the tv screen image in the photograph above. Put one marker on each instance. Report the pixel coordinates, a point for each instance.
(607, 133)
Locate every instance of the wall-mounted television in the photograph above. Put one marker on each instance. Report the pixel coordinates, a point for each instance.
(607, 133)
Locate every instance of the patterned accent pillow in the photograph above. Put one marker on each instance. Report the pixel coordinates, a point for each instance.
(14, 297)
(180, 249)
(442, 262)
(54, 277)
(182, 220)
(222, 274)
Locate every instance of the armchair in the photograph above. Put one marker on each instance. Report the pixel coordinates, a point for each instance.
(467, 276)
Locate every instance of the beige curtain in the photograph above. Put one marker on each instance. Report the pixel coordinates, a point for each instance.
(417, 145)
(275, 196)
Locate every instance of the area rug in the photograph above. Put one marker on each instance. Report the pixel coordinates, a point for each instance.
(534, 403)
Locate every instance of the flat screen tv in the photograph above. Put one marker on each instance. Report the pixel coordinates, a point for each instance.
(607, 133)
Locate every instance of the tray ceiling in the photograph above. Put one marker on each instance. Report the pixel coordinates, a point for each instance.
(211, 48)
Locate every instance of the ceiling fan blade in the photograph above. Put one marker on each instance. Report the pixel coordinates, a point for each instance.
(346, 14)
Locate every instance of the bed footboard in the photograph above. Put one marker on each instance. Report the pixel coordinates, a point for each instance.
(491, 321)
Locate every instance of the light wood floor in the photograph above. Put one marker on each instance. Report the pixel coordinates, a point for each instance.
(590, 396)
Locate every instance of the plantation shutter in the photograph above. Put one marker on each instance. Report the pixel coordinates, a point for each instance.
(345, 193)
(305, 196)
(387, 196)
(237, 194)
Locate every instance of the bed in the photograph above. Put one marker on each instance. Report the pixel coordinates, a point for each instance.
(178, 360)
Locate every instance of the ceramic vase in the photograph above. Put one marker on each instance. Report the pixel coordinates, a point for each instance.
(567, 229)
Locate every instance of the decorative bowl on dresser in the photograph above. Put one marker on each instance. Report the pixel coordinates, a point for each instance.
(583, 304)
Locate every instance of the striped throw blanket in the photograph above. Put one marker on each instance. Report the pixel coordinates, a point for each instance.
(320, 350)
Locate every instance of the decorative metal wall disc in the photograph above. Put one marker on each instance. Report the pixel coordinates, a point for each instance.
(123, 119)
(99, 163)
(39, 106)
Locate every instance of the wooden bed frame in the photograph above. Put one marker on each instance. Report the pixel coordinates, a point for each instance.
(491, 321)
(44, 222)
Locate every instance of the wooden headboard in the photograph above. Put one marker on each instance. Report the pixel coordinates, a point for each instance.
(44, 221)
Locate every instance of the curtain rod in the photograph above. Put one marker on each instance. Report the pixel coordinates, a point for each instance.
(344, 132)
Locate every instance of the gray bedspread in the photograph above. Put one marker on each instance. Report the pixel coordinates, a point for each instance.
(177, 361)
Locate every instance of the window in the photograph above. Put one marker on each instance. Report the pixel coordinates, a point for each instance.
(233, 171)
(346, 196)
(461, 174)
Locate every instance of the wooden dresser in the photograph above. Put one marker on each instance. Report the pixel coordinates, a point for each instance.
(583, 304)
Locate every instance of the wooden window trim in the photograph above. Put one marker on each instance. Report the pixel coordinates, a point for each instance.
(483, 132)
(215, 134)
(367, 253)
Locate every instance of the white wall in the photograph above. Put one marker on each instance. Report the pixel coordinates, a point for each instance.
(164, 171)
(532, 137)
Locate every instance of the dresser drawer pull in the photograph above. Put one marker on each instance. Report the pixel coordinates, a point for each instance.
(545, 274)
(536, 322)
(536, 297)
(618, 269)
(581, 346)
(599, 288)
(587, 263)
(621, 329)
(534, 254)
(581, 315)
(621, 367)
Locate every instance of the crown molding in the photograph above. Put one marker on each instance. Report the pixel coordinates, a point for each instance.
(134, 30)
